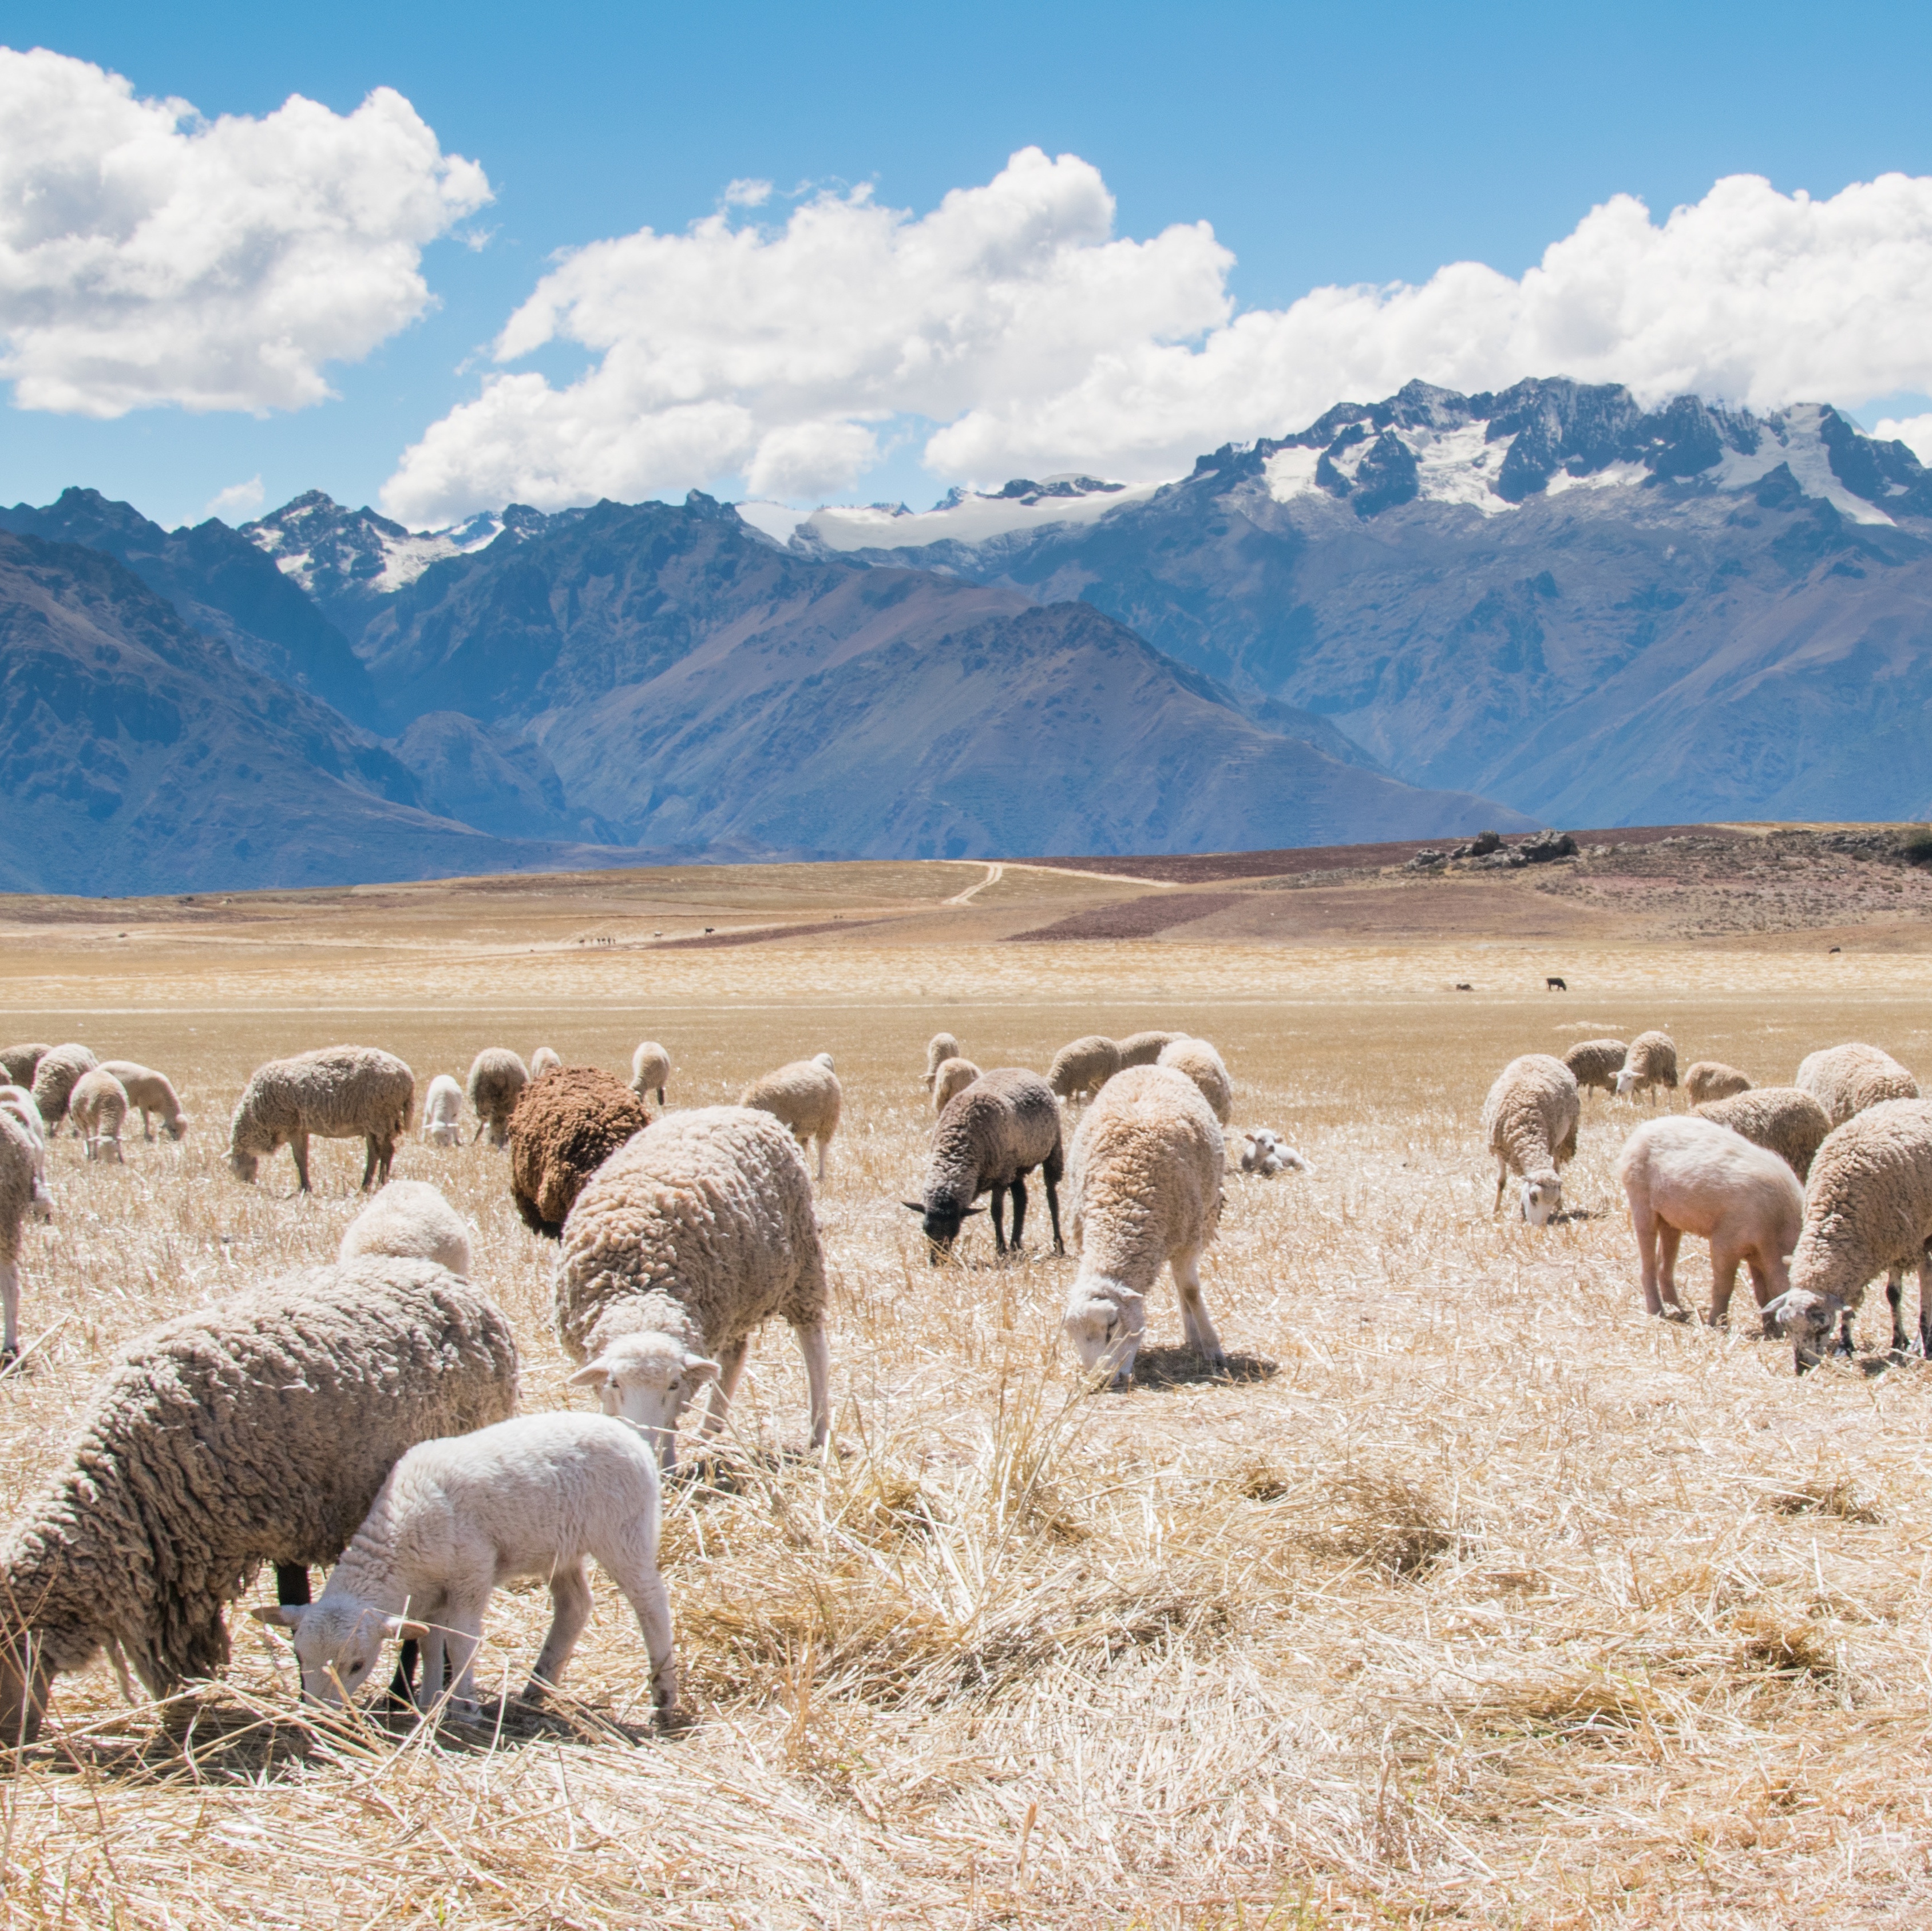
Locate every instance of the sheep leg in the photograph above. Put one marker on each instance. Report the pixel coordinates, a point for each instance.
(1925, 1299)
(570, 1599)
(644, 1589)
(10, 1311)
(1502, 1181)
(298, 1147)
(1197, 1329)
(660, 1097)
(291, 1584)
(817, 1350)
(1669, 1239)
(1019, 1199)
(824, 1140)
(730, 1368)
(1053, 1212)
(1644, 1224)
(462, 1635)
(1723, 1283)
(372, 1152)
(147, 1126)
(999, 1214)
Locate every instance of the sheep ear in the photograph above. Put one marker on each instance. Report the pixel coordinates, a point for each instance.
(700, 1370)
(280, 1616)
(969, 1212)
(917, 1206)
(405, 1630)
(594, 1375)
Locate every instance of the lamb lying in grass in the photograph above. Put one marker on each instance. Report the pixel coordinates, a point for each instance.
(1267, 1153)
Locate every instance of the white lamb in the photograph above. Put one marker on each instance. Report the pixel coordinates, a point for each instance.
(1529, 1123)
(443, 1112)
(1692, 1175)
(650, 1070)
(536, 1496)
(409, 1220)
(1267, 1153)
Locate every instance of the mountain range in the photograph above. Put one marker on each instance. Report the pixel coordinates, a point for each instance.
(1415, 618)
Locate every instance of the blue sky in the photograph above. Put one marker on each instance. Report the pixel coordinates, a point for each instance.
(1324, 145)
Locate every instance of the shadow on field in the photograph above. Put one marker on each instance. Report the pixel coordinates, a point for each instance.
(1158, 1367)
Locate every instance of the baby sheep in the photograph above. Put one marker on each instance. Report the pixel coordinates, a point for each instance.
(650, 1070)
(443, 1112)
(1691, 1176)
(531, 1497)
(1267, 1153)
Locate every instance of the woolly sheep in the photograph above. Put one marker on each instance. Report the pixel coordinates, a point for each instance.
(1651, 1063)
(59, 1069)
(1529, 1123)
(1792, 1124)
(98, 1107)
(940, 1048)
(1144, 1179)
(544, 1060)
(566, 1126)
(805, 1095)
(686, 1241)
(21, 1194)
(1691, 1176)
(18, 1063)
(1595, 1063)
(259, 1430)
(1144, 1049)
(1867, 1212)
(650, 1070)
(1267, 1153)
(17, 1101)
(409, 1220)
(443, 1112)
(151, 1095)
(335, 1092)
(1201, 1064)
(497, 1077)
(533, 1497)
(1712, 1079)
(1080, 1068)
(989, 1139)
(1845, 1080)
(954, 1076)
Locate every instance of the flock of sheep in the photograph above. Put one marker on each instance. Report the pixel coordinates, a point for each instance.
(363, 1413)
(1817, 1188)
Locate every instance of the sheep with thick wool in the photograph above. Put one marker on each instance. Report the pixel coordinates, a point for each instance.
(1144, 1180)
(18, 1103)
(1867, 1212)
(1790, 1122)
(954, 1076)
(150, 1094)
(18, 1064)
(55, 1077)
(940, 1048)
(566, 1126)
(23, 1197)
(650, 1070)
(534, 1497)
(443, 1112)
(1845, 1080)
(1651, 1063)
(1144, 1049)
(335, 1092)
(1594, 1064)
(1083, 1067)
(256, 1431)
(1689, 1175)
(990, 1137)
(497, 1078)
(1529, 1123)
(409, 1220)
(806, 1095)
(544, 1060)
(1711, 1080)
(98, 1107)
(684, 1244)
(1201, 1064)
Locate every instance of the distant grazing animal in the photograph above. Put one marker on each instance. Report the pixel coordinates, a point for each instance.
(1845, 1080)
(1080, 1068)
(989, 1139)
(151, 1095)
(98, 1107)
(650, 1070)
(497, 1077)
(1463, 985)
(18, 1063)
(566, 1126)
(1712, 1079)
(336, 1092)
(940, 1048)
(1201, 1064)
(1144, 1049)
(1651, 1063)
(805, 1095)
(1555, 985)
(953, 1076)
(1792, 1124)
(1596, 1063)
(55, 1077)
(544, 1060)
(1529, 1123)
(1691, 1176)
(443, 1112)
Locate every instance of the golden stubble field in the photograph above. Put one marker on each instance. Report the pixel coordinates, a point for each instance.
(1469, 1595)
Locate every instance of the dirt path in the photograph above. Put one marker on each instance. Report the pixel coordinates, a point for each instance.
(995, 873)
(1069, 872)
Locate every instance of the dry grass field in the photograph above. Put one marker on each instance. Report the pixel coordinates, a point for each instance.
(1468, 1595)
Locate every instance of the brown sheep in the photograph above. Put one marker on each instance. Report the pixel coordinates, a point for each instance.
(565, 1126)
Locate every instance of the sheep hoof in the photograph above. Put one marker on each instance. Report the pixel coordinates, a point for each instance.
(1678, 1314)
(466, 1709)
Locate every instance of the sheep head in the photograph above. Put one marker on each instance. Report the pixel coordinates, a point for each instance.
(942, 1219)
(648, 1379)
(1542, 1197)
(1104, 1320)
(336, 1643)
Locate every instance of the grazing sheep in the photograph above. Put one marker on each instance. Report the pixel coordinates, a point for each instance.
(55, 1077)
(1081, 1067)
(805, 1096)
(18, 1102)
(409, 1220)
(1712, 1079)
(497, 1078)
(684, 1243)
(940, 1048)
(98, 1107)
(1529, 1123)
(1595, 1063)
(1845, 1080)
(1651, 1063)
(443, 1112)
(1867, 1212)
(1691, 1176)
(1144, 1049)
(259, 1430)
(1201, 1064)
(953, 1076)
(544, 1060)
(566, 1126)
(1267, 1153)
(989, 1139)
(150, 1094)
(18, 1063)
(1792, 1124)
(533, 1497)
(335, 1092)
(21, 1194)
(1144, 1179)
(650, 1070)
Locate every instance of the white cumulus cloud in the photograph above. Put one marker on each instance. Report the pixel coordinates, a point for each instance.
(148, 255)
(237, 503)
(1021, 336)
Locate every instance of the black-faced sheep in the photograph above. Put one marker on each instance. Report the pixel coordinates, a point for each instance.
(805, 1095)
(1595, 1064)
(258, 1430)
(1201, 1063)
(150, 1094)
(55, 1079)
(684, 1243)
(1845, 1080)
(1711, 1080)
(566, 1126)
(1790, 1122)
(1651, 1063)
(497, 1078)
(1083, 1067)
(336, 1092)
(989, 1139)
(650, 1070)
(98, 1107)
(1529, 1123)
